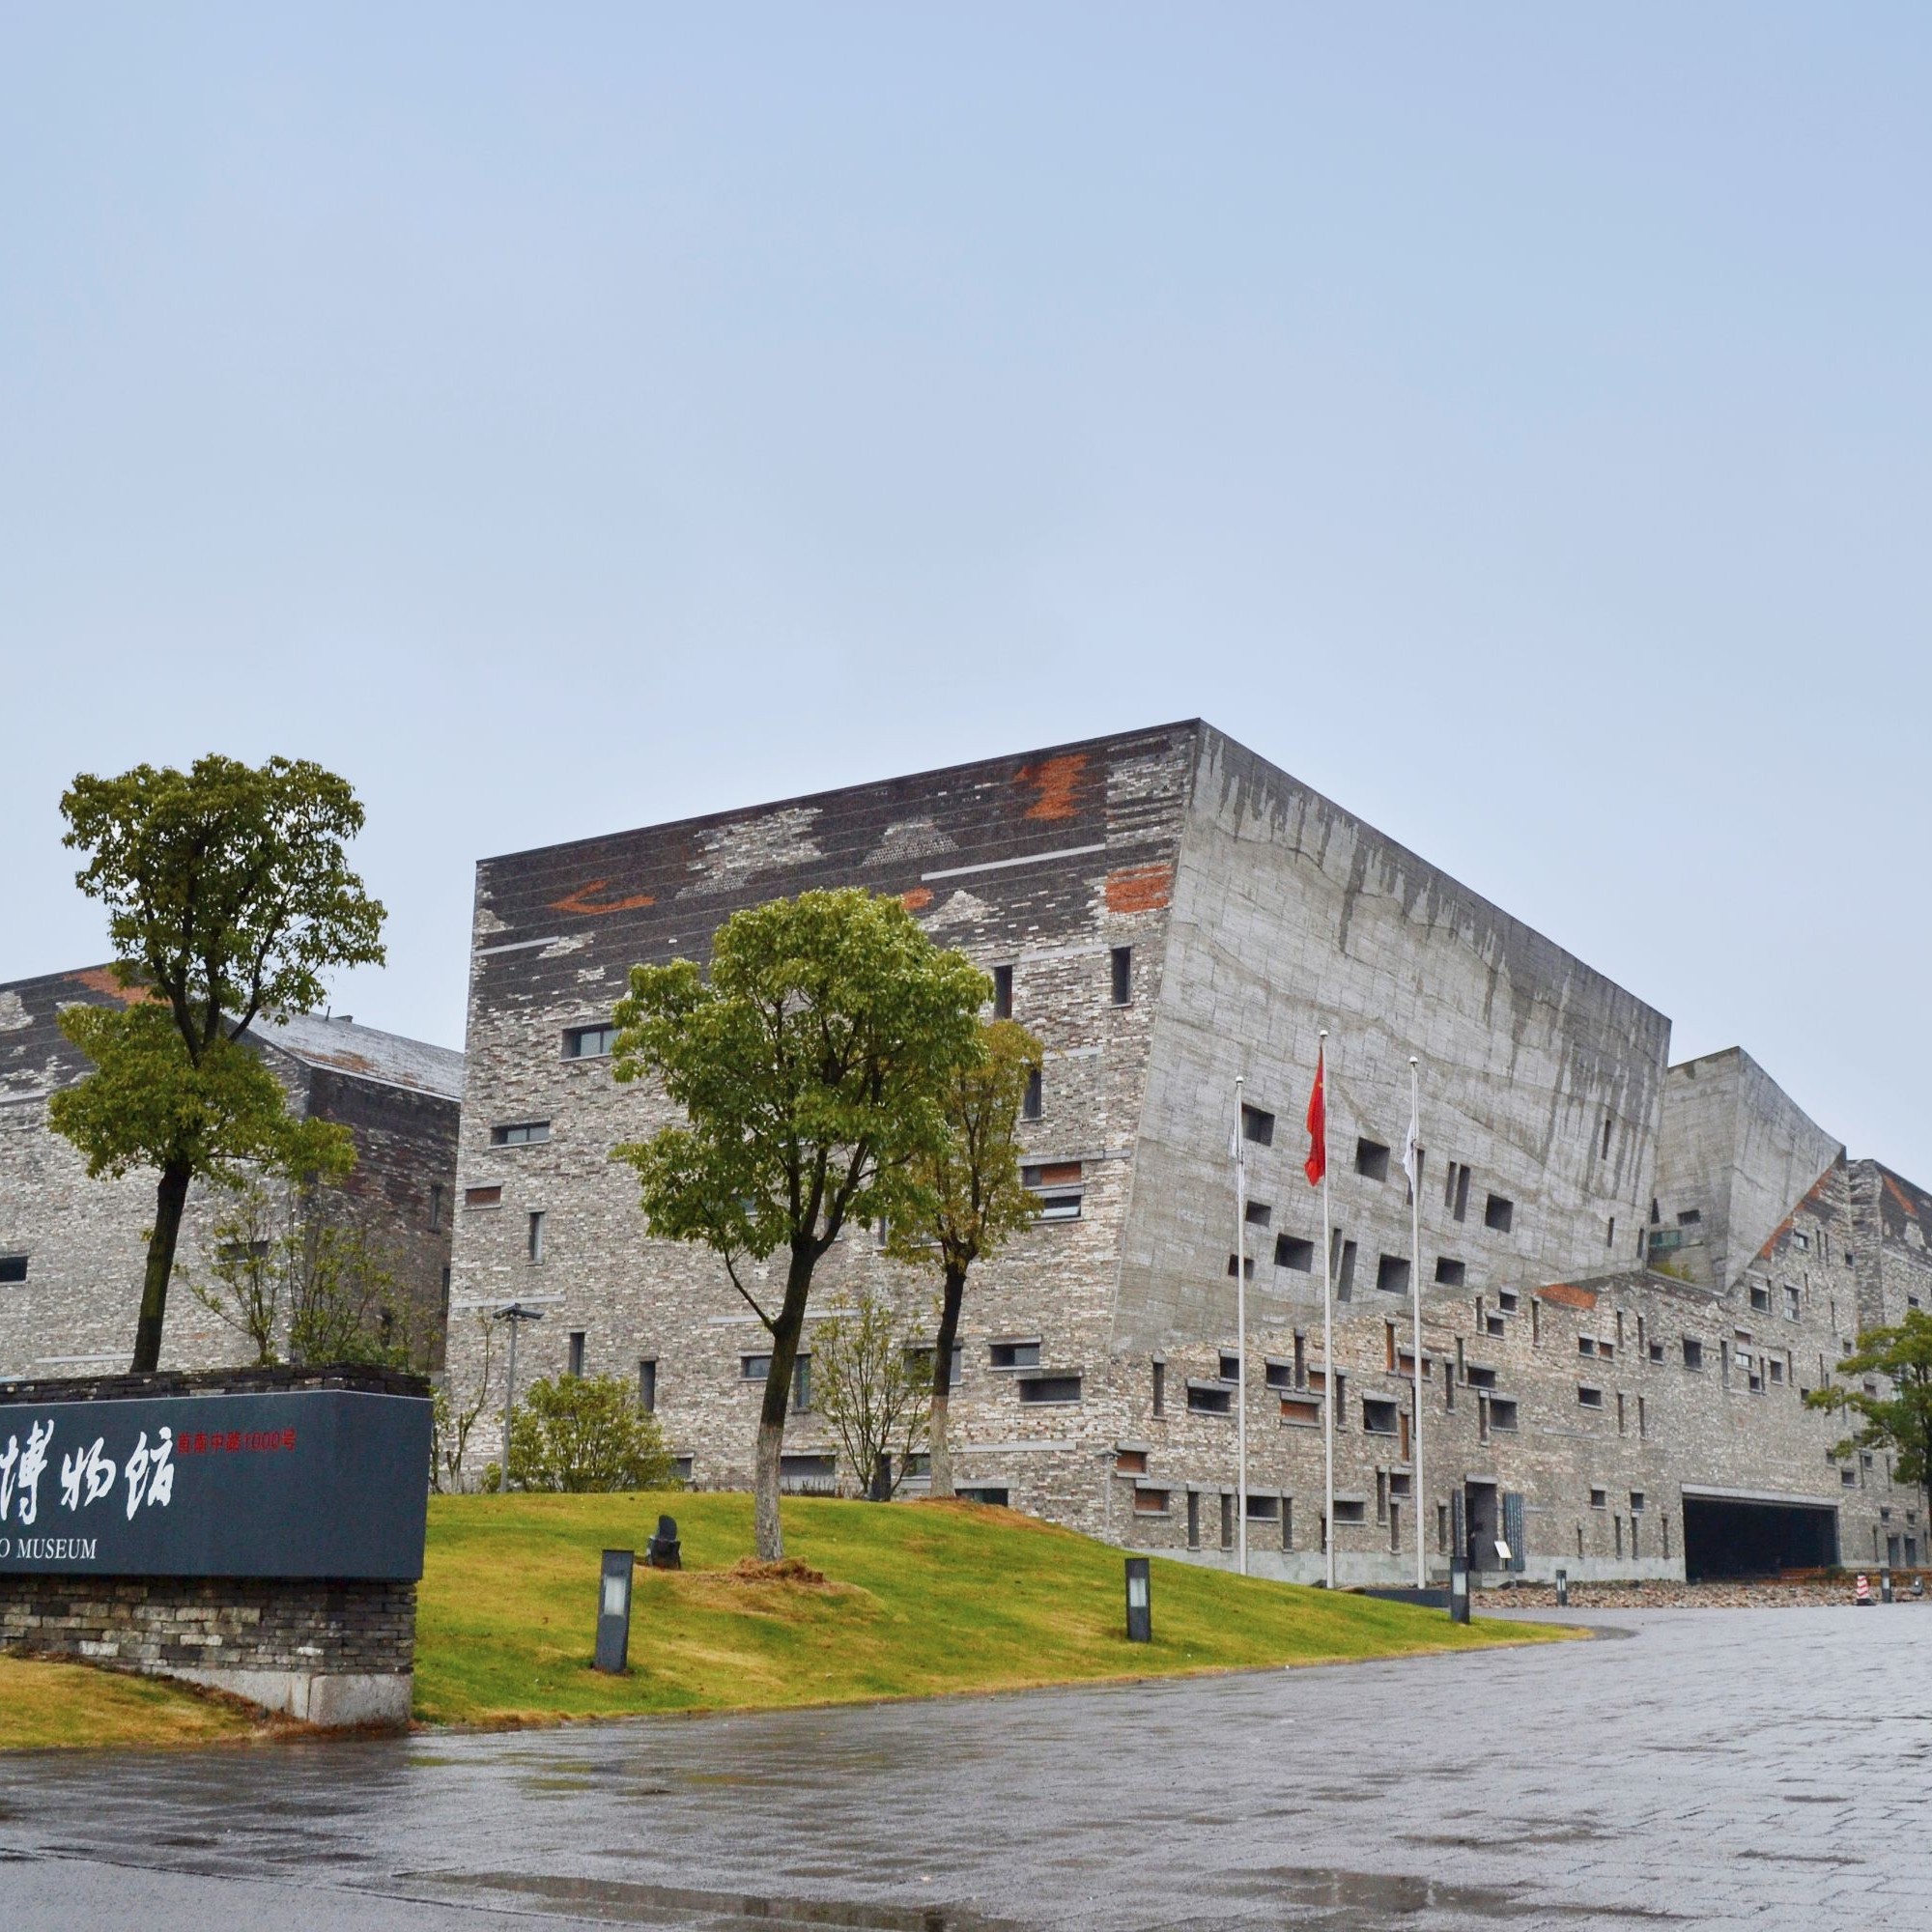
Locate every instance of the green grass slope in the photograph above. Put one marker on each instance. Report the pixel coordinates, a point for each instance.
(918, 1598)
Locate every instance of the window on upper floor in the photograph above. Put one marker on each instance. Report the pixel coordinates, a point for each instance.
(1002, 992)
(1121, 963)
(519, 1133)
(1371, 1159)
(1257, 1125)
(1499, 1214)
(1032, 1105)
(13, 1268)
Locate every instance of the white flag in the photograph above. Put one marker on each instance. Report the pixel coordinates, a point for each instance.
(1411, 1154)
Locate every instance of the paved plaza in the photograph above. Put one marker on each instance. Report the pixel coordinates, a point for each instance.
(1695, 1768)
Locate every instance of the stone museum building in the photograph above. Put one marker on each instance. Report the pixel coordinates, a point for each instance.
(72, 1251)
(1634, 1272)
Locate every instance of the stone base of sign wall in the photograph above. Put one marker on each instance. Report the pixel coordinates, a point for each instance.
(333, 1654)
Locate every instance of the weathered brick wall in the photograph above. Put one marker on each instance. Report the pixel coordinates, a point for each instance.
(84, 1241)
(171, 1624)
(1256, 912)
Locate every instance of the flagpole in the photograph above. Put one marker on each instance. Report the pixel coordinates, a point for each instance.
(1241, 1334)
(1415, 1488)
(1327, 1325)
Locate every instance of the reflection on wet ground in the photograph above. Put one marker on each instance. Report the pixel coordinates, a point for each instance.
(1602, 1783)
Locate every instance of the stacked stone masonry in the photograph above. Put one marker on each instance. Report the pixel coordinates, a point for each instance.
(73, 1249)
(1632, 1272)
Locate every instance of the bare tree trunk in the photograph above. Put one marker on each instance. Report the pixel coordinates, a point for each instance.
(170, 1200)
(942, 1379)
(790, 1326)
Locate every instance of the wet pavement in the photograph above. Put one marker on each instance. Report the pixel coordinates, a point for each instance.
(1769, 1768)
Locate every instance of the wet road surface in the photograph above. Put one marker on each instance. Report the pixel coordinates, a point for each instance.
(1714, 1768)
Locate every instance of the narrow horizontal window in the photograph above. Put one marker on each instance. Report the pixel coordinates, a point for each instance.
(754, 1368)
(519, 1133)
(1350, 1509)
(1590, 1398)
(1039, 1389)
(482, 1197)
(1300, 1412)
(1209, 1399)
(1150, 1502)
(1014, 1355)
(1063, 1206)
(1291, 1251)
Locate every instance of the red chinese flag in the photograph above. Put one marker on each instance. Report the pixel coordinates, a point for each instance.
(1317, 1164)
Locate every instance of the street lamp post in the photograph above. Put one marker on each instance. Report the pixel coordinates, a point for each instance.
(516, 1315)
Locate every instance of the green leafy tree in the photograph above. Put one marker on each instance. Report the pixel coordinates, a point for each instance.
(972, 1199)
(228, 896)
(585, 1433)
(873, 1383)
(1898, 1418)
(811, 1068)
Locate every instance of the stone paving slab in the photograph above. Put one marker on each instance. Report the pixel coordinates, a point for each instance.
(1707, 1769)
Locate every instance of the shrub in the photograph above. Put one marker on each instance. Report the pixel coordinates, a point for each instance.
(581, 1432)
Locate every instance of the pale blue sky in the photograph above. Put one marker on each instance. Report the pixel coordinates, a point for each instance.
(1512, 420)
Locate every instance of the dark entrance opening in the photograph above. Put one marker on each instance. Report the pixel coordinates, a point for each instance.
(1483, 1514)
(1725, 1538)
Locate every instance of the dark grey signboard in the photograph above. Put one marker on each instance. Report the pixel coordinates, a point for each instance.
(301, 1483)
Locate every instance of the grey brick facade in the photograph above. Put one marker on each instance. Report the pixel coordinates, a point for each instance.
(1560, 1151)
(77, 1247)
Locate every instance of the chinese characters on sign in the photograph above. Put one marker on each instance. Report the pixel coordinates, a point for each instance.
(87, 1475)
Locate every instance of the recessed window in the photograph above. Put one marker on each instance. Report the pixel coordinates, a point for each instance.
(1637, 1502)
(1586, 1345)
(1506, 1300)
(1031, 1106)
(13, 1268)
(577, 1336)
(1691, 1217)
(1130, 1462)
(1498, 1214)
(1760, 1297)
(1590, 1398)
(1038, 1390)
(1209, 1399)
(1121, 963)
(1300, 1412)
(1258, 1214)
(1791, 1302)
(1158, 1393)
(754, 1368)
(983, 1492)
(1060, 1206)
(1693, 1353)
(536, 1236)
(519, 1133)
(1502, 1412)
(1495, 1324)
(1351, 1509)
(1378, 1417)
(809, 1475)
(1479, 1378)
(589, 1042)
(1848, 1479)
(1392, 1275)
(435, 1210)
(1656, 1352)
(1371, 1159)
(1014, 1355)
(801, 1385)
(1279, 1374)
(1247, 1271)
(1450, 1272)
(1002, 992)
(1150, 1502)
(1257, 1125)
(1456, 1189)
(1291, 1251)
(1345, 1274)
(647, 1384)
(1599, 1498)
(482, 1197)
(1230, 1367)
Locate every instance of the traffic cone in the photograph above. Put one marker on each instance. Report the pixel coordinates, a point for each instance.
(1864, 1596)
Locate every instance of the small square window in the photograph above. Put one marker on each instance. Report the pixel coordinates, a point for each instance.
(1258, 1214)
(1599, 1498)
(1506, 1300)
(1499, 1214)
(1378, 1417)
(1586, 1345)
(1760, 1297)
(1257, 1125)
(1637, 1502)
(1291, 1251)
(1229, 1368)
(13, 1268)
(1450, 1272)
(1371, 1159)
(1502, 1412)
(1590, 1398)
(1392, 1275)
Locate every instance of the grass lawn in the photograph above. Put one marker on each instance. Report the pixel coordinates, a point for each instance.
(66, 1704)
(918, 1598)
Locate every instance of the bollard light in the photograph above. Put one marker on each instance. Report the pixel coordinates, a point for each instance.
(1885, 1584)
(1459, 1591)
(614, 1613)
(1140, 1610)
(1562, 1589)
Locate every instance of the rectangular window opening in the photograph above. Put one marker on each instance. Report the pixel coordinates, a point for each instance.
(1291, 1251)
(1031, 1106)
(1121, 961)
(1257, 1125)
(519, 1133)
(1499, 1214)
(576, 1354)
(1371, 1159)
(1392, 1275)
(1039, 1390)
(1450, 1272)
(589, 1042)
(647, 1384)
(1002, 992)
(535, 1241)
